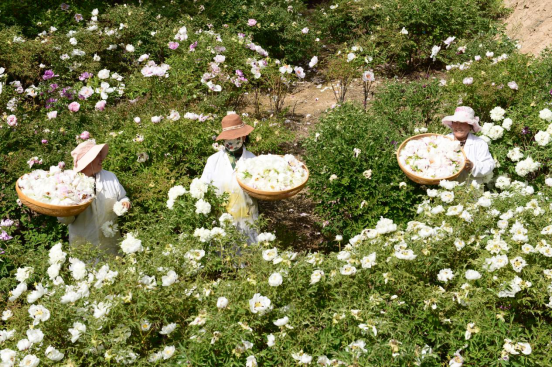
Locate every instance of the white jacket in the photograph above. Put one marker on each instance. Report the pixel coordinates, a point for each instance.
(219, 172)
(478, 153)
(86, 227)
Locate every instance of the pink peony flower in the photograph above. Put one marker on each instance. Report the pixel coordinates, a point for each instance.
(74, 106)
(85, 135)
(252, 22)
(173, 45)
(12, 120)
(100, 105)
(44, 141)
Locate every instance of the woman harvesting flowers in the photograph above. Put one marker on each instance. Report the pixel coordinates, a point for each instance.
(220, 171)
(480, 163)
(98, 223)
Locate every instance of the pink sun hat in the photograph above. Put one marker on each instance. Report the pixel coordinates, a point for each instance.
(463, 114)
(86, 152)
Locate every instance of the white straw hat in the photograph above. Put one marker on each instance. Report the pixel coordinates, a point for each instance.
(463, 114)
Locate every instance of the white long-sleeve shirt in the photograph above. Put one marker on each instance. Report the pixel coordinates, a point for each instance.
(86, 227)
(478, 153)
(219, 172)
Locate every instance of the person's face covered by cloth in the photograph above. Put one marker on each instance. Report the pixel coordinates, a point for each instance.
(94, 167)
(234, 145)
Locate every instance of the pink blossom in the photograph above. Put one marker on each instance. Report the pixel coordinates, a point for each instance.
(52, 115)
(513, 85)
(61, 165)
(173, 45)
(74, 106)
(85, 135)
(193, 46)
(100, 105)
(468, 81)
(305, 30)
(44, 141)
(368, 76)
(252, 22)
(12, 120)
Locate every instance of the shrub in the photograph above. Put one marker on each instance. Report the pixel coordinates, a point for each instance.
(348, 197)
(395, 295)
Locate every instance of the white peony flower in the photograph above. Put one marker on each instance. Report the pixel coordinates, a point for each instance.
(515, 154)
(131, 244)
(118, 207)
(497, 114)
(76, 331)
(109, 229)
(472, 275)
(222, 302)
(275, 280)
(316, 276)
(260, 304)
(168, 329)
(545, 114)
(169, 279)
(103, 74)
(543, 138)
(445, 275)
(53, 354)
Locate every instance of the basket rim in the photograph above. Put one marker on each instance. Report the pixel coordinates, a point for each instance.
(274, 193)
(419, 136)
(46, 205)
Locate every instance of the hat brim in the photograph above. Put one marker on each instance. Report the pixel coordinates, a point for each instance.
(97, 150)
(450, 119)
(235, 134)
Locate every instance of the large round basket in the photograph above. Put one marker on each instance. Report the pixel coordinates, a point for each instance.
(273, 195)
(49, 209)
(424, 180)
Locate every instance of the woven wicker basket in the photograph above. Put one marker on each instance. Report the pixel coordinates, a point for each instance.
(49, 209)
(423, 180)
(273, 195)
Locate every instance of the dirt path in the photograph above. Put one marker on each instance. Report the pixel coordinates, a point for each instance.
(530, 23)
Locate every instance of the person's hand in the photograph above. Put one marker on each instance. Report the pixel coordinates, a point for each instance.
(469, 165)
(126, 204)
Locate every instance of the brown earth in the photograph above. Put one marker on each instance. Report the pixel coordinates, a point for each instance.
(530, 23)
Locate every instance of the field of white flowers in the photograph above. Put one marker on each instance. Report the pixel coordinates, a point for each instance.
(409, 275)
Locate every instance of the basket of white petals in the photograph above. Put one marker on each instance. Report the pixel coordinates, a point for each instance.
(430, 158)
(272, 177)
(55, 192)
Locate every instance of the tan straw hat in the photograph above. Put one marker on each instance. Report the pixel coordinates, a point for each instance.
(86, 152)
(233, 127)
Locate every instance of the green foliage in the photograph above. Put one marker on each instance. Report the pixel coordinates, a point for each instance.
(427, 22)
(351, 202)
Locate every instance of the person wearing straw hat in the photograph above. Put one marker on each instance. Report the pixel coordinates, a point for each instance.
(97, 224)
(480, 163)
(220, 171)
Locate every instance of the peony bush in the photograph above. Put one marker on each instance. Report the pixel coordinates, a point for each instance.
(469, 278)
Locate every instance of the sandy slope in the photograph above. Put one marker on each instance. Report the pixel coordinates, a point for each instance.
(530, 23)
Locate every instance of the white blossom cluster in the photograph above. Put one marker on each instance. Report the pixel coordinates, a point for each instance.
(271, 172)
(57, 187)
(434, 156)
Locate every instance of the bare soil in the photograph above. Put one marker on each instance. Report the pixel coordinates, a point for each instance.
(530, 23)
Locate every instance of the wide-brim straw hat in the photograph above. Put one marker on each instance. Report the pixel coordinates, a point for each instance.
(233, 128)
(86, 152)
(463, 114)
